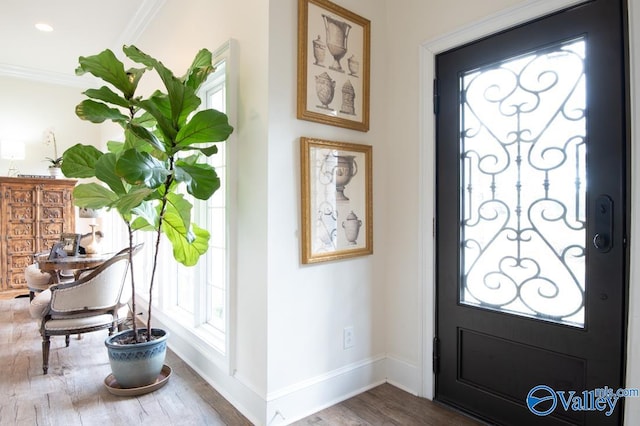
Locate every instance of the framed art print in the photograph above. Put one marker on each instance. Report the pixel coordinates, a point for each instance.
(337, 217)
(333, 65)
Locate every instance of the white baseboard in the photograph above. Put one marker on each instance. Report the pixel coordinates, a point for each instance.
(302, 399)
(305, 398)
(404, 375)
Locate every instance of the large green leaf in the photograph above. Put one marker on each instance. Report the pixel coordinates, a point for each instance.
(97, 112)
(145, 119)
(147, 216)
(115, 146)
(146, 135)
(79, 161)
(187, 251)
(208, 125)
(201, 179)
(158, 107)
(107, 95)
(182, 99)
(133, 141)
(105, 171)
(139, 56)
(107, 67)
(93, 195)
(135, 74)
(208, 150)
(141, 168)
(199, 70)
(178, 213)
(128, 202)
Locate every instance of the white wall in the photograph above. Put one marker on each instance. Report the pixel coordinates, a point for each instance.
(309, 305)
(28, 109)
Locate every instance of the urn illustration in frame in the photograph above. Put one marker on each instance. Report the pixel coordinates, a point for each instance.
(351, 228)
(337, 34)
(325, 89)
(342, 168)
(319, 51)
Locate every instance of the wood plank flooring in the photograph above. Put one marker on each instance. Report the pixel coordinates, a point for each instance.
(73, 393)
(386, 405)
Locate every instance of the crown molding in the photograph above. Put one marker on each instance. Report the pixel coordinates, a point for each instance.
(44, 76)
(136, 26)
(138, 22)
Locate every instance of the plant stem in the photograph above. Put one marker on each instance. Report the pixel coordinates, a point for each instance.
(133, 283)
(163, 208)
(55, 146)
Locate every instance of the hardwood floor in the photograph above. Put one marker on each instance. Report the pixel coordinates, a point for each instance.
(73, 393)
(388, 406)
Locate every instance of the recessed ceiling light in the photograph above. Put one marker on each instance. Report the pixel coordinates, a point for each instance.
(44, 27)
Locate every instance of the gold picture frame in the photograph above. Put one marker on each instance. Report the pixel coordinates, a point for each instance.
(334, 47)
(337, 199)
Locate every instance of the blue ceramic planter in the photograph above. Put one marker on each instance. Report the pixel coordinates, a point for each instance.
(138, 364)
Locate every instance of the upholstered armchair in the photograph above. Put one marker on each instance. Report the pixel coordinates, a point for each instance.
(96, 301)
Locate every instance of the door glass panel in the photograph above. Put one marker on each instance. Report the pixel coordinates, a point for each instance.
(523, 129)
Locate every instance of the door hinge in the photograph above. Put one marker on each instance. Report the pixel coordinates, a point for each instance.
(436, 355)
(436, 97)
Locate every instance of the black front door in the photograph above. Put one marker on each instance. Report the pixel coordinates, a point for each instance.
(531, 220)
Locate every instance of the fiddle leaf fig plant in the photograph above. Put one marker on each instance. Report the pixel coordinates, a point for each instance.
(163, 155)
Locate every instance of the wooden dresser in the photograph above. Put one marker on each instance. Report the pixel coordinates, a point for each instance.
(33, 214)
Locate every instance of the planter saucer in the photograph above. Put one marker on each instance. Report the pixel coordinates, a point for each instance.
(113, 386)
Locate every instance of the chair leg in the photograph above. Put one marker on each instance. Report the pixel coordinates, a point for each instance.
(66, 340)
(46, 343)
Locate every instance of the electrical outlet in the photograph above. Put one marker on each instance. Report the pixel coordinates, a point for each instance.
(347, 337)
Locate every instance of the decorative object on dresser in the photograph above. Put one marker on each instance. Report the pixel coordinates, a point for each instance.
(55, 162)
(70, 243)
(12, 151)
(92, 245)
(33, 214)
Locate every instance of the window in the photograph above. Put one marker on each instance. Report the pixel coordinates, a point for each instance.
(196, 299)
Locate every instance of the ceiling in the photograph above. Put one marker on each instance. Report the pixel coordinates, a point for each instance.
(81, 28)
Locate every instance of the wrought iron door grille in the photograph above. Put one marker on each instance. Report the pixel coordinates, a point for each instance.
(523, 176)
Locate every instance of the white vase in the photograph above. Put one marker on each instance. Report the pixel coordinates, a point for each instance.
(55, 172)
(92, 246)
